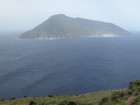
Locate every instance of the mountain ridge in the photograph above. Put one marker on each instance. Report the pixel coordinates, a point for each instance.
(61, 26)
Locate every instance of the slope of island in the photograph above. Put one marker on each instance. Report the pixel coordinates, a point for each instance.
(128, 96)
(62, 27)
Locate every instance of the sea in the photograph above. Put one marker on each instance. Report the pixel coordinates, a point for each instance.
(32, 67)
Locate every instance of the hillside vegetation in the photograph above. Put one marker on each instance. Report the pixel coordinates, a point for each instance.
(129, 96)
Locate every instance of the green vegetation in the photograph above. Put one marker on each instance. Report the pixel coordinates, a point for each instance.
(129, 96)
(85, 99)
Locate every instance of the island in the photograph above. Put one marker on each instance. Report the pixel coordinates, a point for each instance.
(61, 26)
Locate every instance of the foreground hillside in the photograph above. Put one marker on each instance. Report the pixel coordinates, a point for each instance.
(129, 96)
(86, 99)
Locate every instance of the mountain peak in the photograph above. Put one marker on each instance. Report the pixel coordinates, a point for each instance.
(58, 15)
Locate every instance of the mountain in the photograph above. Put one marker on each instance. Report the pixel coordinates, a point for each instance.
(61, 26)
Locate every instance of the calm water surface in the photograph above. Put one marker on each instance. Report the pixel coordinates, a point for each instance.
(74, 66)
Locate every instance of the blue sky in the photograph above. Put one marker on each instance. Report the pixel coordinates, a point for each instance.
(22, 15)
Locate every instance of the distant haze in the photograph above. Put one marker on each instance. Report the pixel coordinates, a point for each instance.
(22, 15)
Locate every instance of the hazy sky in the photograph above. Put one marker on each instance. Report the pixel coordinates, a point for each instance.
(22, 15)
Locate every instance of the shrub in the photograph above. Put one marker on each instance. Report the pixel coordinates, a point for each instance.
(13, 98)
(117, 96)
(104, 100)
(32, 103)
(1, 99)
(71, 103)
(25, 96)
(135, 101)
(50, 95)
(67, 103)
(128, 92)
(134, 85)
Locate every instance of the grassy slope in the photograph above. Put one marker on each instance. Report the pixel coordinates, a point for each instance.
(129, 96)
(85, 99)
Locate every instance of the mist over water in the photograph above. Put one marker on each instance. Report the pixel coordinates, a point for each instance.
(71, 66)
